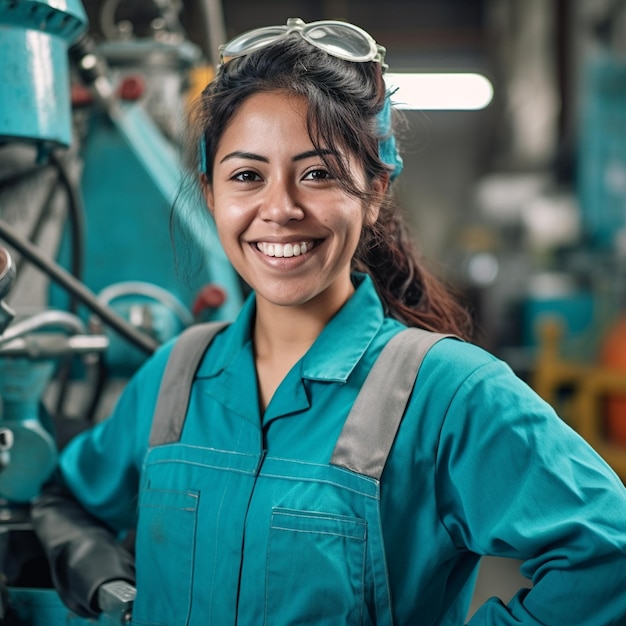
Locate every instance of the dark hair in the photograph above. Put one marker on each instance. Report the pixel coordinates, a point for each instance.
(344, 99)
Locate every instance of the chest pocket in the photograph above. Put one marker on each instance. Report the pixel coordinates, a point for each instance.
(308, 548)
(168, 526)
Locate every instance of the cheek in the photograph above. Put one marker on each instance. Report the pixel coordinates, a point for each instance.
(231, 223)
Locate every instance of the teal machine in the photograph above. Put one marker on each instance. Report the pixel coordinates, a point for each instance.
(89, 281)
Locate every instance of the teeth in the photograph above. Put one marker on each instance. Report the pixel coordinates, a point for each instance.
(284, 250)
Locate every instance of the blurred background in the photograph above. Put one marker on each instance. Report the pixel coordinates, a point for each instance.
(518, 203)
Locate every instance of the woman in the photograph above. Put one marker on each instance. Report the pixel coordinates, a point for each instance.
(269, 482)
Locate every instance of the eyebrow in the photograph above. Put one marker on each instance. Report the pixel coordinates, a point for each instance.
(313, 153)
(238, 154)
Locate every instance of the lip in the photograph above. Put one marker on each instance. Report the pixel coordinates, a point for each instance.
(283, 240)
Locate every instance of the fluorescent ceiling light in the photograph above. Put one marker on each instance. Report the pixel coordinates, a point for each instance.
(440, 92)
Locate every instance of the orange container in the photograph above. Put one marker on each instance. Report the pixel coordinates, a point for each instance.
(613, 356)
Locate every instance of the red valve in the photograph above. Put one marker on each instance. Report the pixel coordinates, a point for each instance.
(131, 88)
(210, 297)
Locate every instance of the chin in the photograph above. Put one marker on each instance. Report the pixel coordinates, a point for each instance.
(284, 298)
(283, 301)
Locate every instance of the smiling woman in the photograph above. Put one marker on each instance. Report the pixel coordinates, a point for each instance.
(272, 192)
(335, 455)
(353, 141)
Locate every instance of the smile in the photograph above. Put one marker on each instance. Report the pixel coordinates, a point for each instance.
(285, 250)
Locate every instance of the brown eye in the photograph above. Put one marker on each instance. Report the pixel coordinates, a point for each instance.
(247, 176)
(318, 174)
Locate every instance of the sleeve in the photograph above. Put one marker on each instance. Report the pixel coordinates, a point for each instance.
(82, 551)
(81, 514)
(515, 481)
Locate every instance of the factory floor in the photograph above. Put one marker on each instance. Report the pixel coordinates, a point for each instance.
(497, 577)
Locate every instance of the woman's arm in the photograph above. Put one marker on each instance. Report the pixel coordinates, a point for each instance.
(82, 551)
(515, 481)
(90, 504)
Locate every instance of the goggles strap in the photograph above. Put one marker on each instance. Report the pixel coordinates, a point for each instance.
(387, 146)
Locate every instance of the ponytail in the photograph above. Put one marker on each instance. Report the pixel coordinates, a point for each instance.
(412, 294)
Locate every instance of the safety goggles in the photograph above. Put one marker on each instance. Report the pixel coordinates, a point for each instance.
(339, 39)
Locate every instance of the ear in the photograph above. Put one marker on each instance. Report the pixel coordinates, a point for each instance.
(207, 192)
(379, 189)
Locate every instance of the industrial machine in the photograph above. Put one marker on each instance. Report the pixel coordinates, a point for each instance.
(90, 182)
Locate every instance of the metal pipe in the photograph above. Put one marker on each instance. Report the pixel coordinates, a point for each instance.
(53, 345)
(67, 321)
(215, 28)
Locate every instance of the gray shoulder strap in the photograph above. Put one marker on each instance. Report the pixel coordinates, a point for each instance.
(175, 389)
(371, 426)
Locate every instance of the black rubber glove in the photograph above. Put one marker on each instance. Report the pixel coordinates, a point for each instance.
(83, 552)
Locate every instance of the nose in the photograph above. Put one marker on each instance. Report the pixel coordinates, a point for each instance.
(280, 204)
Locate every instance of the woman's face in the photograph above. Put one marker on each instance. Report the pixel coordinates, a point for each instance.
(287, 226)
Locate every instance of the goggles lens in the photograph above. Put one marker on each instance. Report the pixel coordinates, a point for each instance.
(339, 39)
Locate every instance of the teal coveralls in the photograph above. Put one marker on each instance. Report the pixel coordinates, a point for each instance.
(278, 519)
